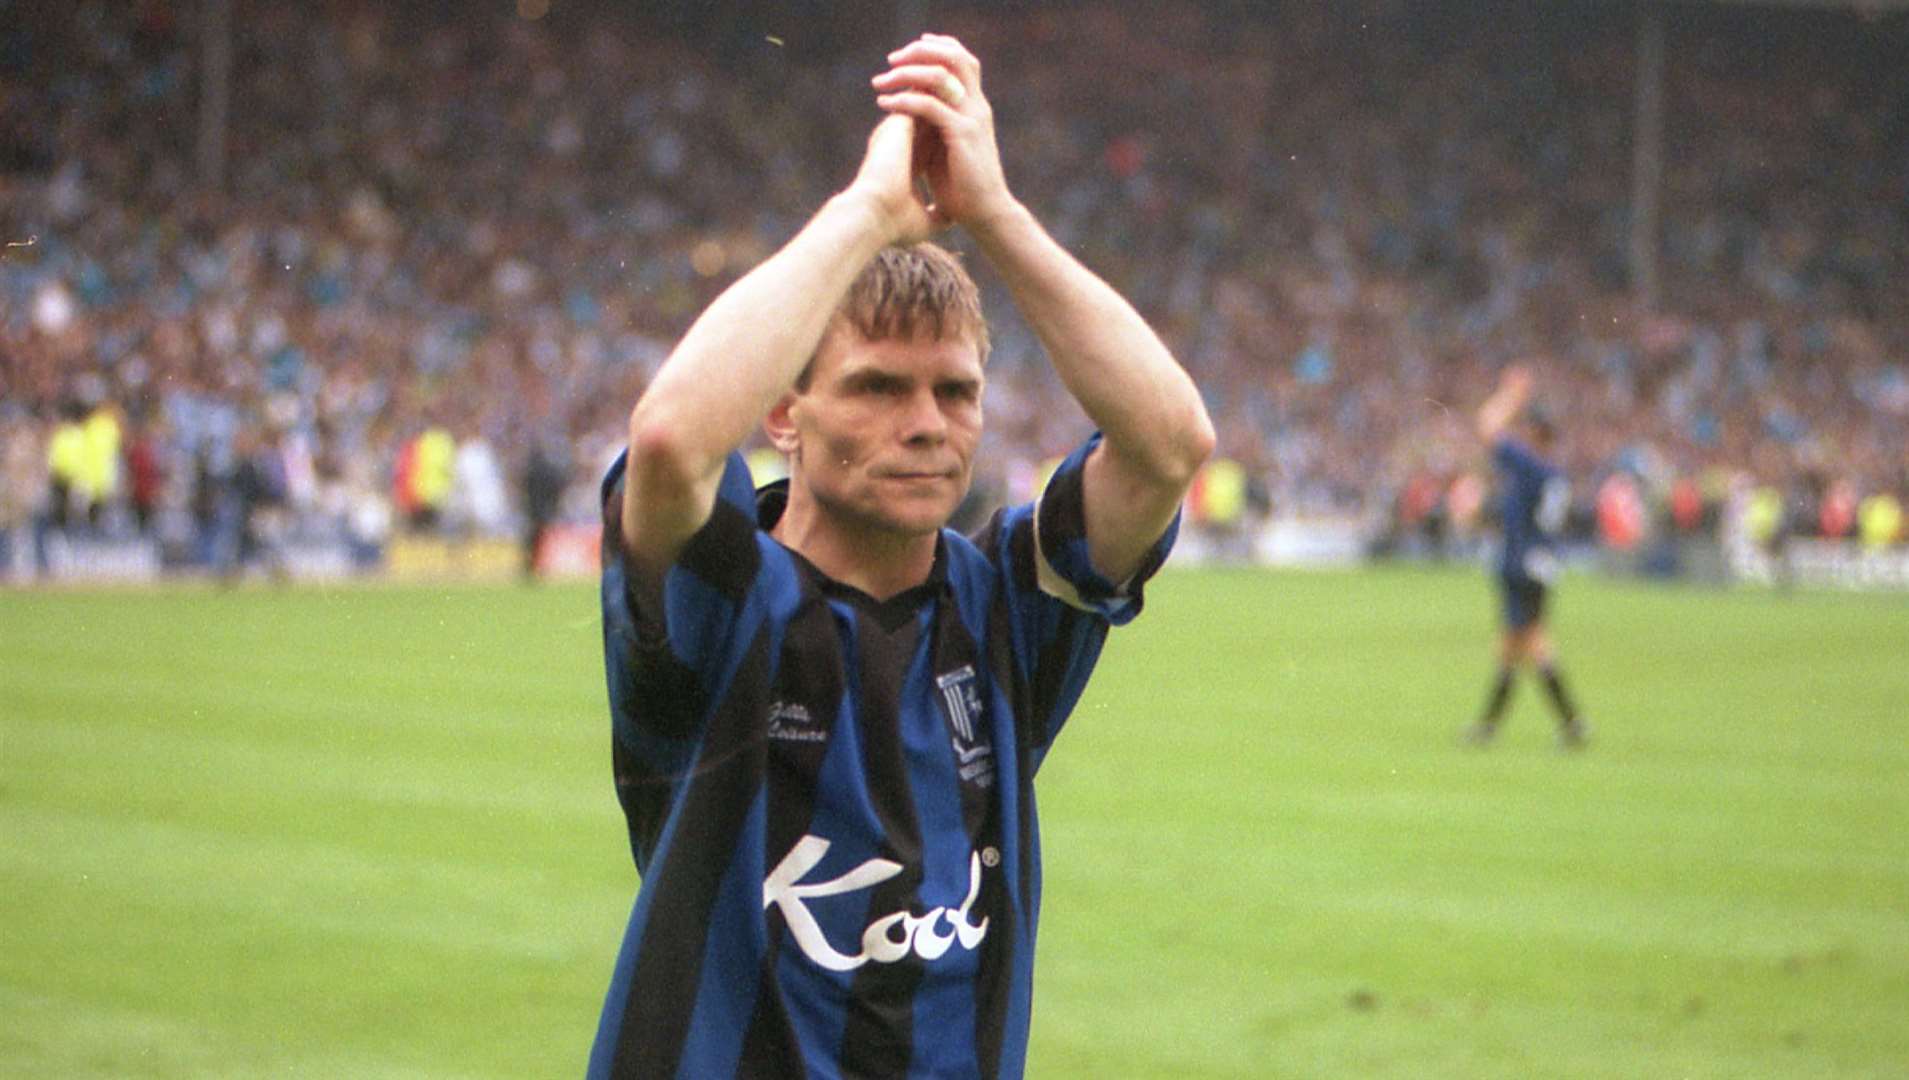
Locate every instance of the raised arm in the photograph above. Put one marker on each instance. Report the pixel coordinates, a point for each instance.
(749, 346)
(1504, 404)
(1155, 429)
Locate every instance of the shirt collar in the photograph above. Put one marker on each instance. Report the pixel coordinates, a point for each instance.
(773, 498)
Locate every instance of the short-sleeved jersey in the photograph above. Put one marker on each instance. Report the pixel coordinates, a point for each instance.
(830, 798)
(1532, 500)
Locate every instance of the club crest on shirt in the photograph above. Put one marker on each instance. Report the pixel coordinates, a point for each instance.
(791, 722)
(961, 705)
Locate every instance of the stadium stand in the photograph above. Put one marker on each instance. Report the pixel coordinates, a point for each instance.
(441, 237)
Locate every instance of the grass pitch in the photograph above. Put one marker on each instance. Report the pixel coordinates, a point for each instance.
(371, 833)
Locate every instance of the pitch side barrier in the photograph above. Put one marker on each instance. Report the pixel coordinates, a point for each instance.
(56, 558)
(1346, 542)
(63, 558)
(569, 552)
(1829, 564)
(50, 557)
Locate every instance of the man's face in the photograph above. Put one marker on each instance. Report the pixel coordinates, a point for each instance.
(886, 431)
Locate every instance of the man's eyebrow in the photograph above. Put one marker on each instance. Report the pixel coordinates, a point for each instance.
(872, 376)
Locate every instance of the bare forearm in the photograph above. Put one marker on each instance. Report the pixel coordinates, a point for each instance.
(749, 345)
(743, 352)
(1155, 431)
(1143, 402)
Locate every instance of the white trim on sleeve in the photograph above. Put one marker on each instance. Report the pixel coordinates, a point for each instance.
(1050, 579)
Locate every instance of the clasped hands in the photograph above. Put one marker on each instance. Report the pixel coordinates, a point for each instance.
(933, 162)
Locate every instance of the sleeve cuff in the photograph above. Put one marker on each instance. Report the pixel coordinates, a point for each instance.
(1062, 565)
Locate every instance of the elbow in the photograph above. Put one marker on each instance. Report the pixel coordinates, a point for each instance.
(661, 457)
(1200, 443)
(669, 485)
(1193, 443)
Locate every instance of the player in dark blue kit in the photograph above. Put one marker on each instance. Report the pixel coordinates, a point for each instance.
(828, 709)
(1533, 497)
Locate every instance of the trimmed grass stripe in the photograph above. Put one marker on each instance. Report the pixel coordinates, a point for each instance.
(371, 832)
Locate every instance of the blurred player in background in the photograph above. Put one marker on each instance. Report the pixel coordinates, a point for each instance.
(1533, 498)
(828, 709)
(546, 471)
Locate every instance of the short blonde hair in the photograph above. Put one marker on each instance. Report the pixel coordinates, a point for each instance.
(911, 291)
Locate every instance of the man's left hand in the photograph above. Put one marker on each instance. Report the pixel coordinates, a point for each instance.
(936, 80)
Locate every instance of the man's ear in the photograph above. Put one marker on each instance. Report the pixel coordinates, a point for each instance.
(779, 424)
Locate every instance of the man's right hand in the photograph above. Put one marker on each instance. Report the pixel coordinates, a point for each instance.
(886, 181)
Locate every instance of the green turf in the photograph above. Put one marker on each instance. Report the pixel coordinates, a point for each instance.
(370, 833)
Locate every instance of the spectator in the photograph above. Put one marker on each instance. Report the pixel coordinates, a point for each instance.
(24, 485)
(546, 469)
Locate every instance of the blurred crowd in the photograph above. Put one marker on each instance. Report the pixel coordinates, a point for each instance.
(452, 242)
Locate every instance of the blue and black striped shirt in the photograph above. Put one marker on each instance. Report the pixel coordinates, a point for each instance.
(830, 798)
(1532, 501)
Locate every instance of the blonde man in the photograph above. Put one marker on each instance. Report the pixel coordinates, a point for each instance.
(829, 708)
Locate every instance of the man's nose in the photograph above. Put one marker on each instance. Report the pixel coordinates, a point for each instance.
(923, 421)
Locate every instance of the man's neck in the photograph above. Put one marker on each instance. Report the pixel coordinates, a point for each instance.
(878, 562)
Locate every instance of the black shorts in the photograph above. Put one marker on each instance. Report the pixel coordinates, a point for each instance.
(1523, 601)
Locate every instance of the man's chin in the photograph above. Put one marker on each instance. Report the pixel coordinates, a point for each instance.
(912, 515)
(915, 517)
(917, 523)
